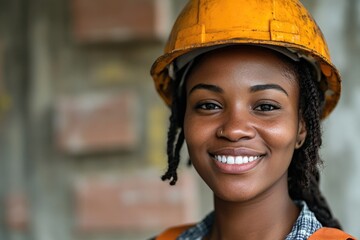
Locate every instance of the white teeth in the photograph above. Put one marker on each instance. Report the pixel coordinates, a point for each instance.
(239, 160)
(230, 160)
(236, 160)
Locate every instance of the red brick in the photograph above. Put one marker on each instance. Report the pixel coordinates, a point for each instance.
(133, 203)
(113, 20)
(16, 211)
(97, 122)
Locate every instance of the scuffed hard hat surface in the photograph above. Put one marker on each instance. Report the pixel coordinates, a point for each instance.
(283, 23)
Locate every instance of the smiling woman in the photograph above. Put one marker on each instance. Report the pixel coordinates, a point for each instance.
(249, 107)
(255, 111)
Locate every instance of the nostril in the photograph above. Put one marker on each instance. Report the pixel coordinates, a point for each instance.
(236, 133)
(220, 132)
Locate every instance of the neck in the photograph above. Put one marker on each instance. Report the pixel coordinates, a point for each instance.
(268, 217)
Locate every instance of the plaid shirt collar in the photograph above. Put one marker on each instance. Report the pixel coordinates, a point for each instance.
(305, 225)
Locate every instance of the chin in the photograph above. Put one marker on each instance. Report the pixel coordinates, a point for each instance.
(234, 194)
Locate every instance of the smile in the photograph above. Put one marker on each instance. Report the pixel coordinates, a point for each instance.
(236, 159)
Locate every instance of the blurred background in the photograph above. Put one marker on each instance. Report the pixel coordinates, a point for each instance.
(83, 133)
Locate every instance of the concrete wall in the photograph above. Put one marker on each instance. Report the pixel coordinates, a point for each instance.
(340, 23)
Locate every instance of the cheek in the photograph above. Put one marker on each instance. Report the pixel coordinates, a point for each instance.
(197, 135)
(281, 138)
(193, 132)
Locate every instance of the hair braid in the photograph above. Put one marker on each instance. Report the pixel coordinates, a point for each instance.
(172, 133)
(304, 177)
(175, 136)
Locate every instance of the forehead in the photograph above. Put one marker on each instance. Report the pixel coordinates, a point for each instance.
(242, 60)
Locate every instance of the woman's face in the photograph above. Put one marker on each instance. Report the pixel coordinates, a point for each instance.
(242, 122)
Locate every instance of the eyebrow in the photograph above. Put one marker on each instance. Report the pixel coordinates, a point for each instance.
(209, 87)
(263, 87)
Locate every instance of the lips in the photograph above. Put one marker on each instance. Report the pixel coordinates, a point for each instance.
(236, 161)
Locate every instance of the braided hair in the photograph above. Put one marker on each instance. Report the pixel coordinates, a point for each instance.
(303, 172)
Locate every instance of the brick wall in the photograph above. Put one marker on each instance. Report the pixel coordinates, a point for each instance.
(95, 129)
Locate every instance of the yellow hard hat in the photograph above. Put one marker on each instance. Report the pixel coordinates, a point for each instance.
(282, 24)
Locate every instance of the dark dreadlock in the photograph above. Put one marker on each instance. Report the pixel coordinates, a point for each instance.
(303, 173)
(304, 176)
(175, 133)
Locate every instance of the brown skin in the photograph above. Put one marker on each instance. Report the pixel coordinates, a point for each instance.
(242, 102)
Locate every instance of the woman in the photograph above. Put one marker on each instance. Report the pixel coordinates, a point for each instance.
(248, 85)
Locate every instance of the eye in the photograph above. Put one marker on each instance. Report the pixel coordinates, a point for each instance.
(266, 107)
(207, 106)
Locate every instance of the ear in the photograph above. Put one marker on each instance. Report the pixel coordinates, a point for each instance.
(301, 134)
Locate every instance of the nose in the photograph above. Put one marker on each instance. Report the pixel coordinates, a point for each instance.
(236, 126)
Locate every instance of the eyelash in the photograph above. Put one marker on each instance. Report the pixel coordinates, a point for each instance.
(207, 106)
(262, 107)
(269, 106)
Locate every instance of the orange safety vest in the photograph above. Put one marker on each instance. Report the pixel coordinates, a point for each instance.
(321, 234)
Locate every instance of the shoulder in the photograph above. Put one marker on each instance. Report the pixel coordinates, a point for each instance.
(173, 233)
(325, 233)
